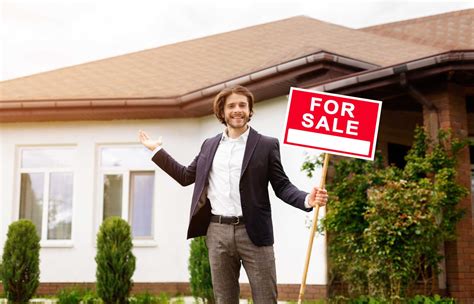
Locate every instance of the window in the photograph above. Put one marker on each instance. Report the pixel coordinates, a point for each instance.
(396, 154)
(471, 154)
(127, 187)
(472, 187)
(46, 189)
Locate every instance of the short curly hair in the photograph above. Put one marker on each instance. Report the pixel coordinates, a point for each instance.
(219, 100)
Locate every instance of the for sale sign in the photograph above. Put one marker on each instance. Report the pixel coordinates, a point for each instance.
(332, 123)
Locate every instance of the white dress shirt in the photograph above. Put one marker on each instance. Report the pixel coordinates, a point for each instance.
(224, 177)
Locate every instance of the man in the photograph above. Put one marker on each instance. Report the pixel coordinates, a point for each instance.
(230, 202)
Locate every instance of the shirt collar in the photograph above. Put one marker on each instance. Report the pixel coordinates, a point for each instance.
(243, 137)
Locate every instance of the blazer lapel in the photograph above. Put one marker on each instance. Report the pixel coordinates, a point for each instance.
(214, 143)
(252, 141)
(202, 197)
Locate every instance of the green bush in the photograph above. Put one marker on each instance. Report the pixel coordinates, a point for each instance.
(386, 225)
(144, 298)
(419, 299)
(200, 270)
(147, 298)
(90, 297)
(310, 302)
(69, 296)
(76, 296)
(163, 298)
(178, 300)
(431, 300)
(115, 261)
(20, 270)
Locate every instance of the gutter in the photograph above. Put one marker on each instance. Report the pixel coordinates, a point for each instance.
(401, 70)
(371, 75)
(278, 69)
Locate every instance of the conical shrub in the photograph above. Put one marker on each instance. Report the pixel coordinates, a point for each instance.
(115, 261)
(200, 271)
(20, 262)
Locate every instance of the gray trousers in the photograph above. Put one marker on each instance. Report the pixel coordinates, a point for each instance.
(229, 247)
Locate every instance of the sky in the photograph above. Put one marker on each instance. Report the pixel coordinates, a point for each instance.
(43, 35)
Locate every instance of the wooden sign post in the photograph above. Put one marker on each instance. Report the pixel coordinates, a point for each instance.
(314, 226)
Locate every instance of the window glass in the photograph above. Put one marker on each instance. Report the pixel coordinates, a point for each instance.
(31, 198)
(141, 203)
(112, 195)
(472, 186)
(130, 157)
(46, 158)
(60, 206)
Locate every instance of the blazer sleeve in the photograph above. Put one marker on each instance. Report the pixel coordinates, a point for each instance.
(280, 182)
(182, 174)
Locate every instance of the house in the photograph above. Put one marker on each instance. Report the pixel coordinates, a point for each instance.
(70, 154)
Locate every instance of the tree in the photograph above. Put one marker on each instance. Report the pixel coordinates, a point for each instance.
(115, 261)
(200, 270)
(20, 262)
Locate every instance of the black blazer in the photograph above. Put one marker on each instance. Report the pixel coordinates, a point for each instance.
(261, 164)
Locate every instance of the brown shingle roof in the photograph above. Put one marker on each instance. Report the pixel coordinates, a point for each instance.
(450, 31)
(177, 69)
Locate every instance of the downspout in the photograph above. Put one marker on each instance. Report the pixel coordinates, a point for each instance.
(433, 121)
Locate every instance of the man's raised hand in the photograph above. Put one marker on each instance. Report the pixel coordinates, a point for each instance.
(147, 141)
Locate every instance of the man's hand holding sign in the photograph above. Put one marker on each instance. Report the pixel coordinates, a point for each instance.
(336, 124)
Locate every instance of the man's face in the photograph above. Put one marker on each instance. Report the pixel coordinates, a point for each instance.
(236, 111)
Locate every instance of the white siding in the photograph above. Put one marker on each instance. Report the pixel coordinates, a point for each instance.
(164, 260)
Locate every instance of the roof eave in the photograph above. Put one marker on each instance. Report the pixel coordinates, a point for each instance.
(362, 78)
(193, 104)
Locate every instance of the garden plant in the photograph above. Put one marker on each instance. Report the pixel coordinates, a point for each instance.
(20, 262)
(200, 271)
(115, 261)
(386, 225)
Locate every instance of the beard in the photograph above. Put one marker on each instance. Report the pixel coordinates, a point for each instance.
(237, 122)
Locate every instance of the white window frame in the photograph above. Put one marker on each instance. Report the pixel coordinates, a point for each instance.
(125, 172)
(44, 242)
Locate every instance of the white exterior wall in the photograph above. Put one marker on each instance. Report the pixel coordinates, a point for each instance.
(165, 258)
